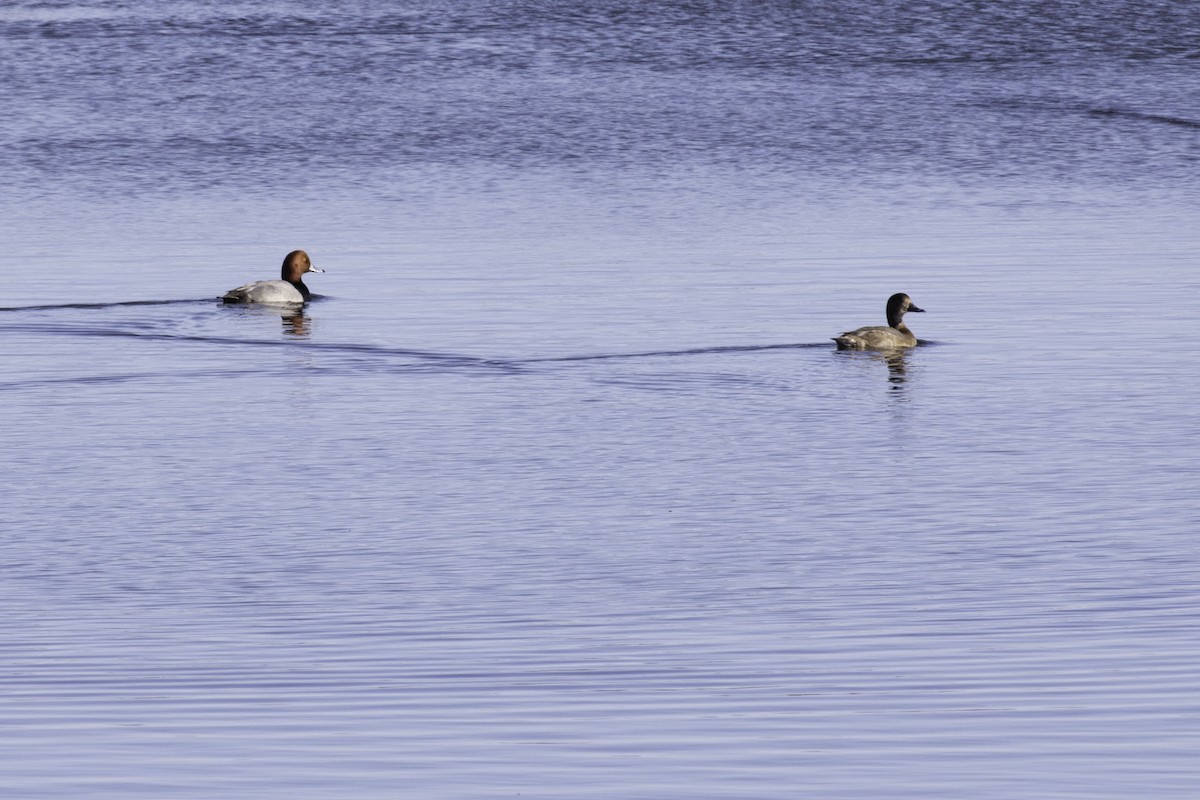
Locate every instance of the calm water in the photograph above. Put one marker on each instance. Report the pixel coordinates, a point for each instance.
(559, 490)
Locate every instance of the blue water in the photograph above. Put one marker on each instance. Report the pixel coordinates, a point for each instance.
(559, 488)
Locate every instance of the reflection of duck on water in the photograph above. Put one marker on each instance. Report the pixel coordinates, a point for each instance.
(894, 360)
(897, 373)
(893, 336)
(296, 323)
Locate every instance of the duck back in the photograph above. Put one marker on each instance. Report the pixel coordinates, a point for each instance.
(264, 292)
(876, 337)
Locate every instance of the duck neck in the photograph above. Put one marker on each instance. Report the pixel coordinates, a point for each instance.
(300, 287)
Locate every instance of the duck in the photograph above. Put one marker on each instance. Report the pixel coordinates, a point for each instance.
(893, 336)
(289, 289)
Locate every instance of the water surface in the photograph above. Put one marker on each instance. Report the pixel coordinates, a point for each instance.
(560, 489)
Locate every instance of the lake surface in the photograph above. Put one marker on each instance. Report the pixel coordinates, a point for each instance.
(559, 488)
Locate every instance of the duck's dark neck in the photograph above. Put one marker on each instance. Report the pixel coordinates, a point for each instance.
(300, 287)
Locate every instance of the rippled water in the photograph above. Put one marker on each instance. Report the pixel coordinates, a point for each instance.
(559, 488)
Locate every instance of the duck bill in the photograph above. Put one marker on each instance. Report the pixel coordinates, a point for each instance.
(918, 310)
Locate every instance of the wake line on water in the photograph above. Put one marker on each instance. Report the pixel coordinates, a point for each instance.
(367, 349)
(498, 363)
(1139, 115)
(442, 359)
(129, 377)
(357, 357)
(58, 306)
(1096, 111)
(696, 351)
